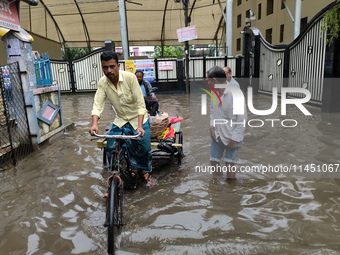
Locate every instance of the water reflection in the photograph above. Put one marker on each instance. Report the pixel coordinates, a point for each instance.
(51, 202)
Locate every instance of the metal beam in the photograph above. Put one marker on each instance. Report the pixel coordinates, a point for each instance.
(163, 27)
(186, 46)
(123, 29)
(55, 23)
(31, 2)
(192, 8)
(290, 14)
(219, 26)
(86, 32)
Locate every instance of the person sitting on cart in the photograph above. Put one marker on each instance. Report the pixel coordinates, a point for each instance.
(149, 96)
(124, 93)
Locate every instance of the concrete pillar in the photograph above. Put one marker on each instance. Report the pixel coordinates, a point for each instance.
(229, 27)
(23, 54)
(297, 19)
(123, 29)
(37, 99)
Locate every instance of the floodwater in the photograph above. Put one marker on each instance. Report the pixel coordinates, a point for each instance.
(51, 202)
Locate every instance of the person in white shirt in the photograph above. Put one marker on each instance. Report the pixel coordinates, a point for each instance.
(225, 136)
(230, 78)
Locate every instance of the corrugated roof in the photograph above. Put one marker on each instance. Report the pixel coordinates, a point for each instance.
(83, 23)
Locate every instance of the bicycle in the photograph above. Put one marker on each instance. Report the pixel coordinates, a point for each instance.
(121, 174)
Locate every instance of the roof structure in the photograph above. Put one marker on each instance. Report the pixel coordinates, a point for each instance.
(88, 23)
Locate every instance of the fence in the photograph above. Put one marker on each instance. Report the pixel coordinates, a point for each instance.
(15, 139)
(82, 74)
(42, 68)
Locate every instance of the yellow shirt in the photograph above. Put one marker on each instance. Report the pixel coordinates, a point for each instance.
(127, 99)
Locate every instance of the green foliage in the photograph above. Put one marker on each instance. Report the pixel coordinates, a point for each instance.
(72, 53)
(212, 49)
(331, 21)
(169, 52)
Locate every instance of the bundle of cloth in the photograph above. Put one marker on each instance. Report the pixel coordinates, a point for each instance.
(170, 131)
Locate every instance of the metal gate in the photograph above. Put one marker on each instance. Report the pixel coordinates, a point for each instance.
(82, 74)
(299, 64)
(78, 75)
(15, 139)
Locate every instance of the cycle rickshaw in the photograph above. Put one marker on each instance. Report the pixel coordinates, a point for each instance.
(169, 144)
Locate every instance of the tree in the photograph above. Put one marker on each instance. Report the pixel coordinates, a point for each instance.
(212, 50)
(72, 53)
(331, 22)
(169, 52)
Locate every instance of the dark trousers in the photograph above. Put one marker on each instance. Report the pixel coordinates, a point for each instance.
(151, 105)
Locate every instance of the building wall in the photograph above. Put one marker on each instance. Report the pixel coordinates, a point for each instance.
(272, 21)
(46, 46)
(39, 44)
(3, 57)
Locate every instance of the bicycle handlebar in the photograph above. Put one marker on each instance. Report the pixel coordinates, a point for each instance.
(119, 136)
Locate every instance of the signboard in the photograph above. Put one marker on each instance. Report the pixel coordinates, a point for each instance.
(9, 15)
(186, 34)
(130, 66)
(165, 66)
(147, 66)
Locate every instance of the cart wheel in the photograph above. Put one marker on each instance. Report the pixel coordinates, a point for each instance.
(179, 156)
(180, 150)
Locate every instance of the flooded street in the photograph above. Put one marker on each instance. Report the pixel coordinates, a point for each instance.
(51, 202)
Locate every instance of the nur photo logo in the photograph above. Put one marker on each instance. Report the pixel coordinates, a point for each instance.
(239, 104)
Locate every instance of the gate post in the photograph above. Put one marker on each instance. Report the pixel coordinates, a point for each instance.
(180, 73)
(251, 53)
(156, 70)
(286, 68)
(43, 104)
(72, 80)
(109, 45)
(23, 55)
(204, 66)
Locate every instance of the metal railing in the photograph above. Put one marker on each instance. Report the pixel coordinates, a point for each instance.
(43, 73)
(82, 74)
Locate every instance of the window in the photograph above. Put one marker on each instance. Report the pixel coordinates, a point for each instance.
(282, 4)
(248, 14)
(270, 7)
(239, 22)
(259, 9)
(282, 30)
(303, 24)
(238, 44)
(239, 2)
(269, 33)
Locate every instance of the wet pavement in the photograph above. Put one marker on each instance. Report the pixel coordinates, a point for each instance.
(51, 202)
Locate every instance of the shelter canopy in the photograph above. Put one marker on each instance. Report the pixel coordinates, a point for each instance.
(88, 23)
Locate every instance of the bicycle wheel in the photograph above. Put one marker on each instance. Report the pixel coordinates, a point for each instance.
(114, 211)
(129, 177)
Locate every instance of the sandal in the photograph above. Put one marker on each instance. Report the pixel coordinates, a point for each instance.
(147, 178)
